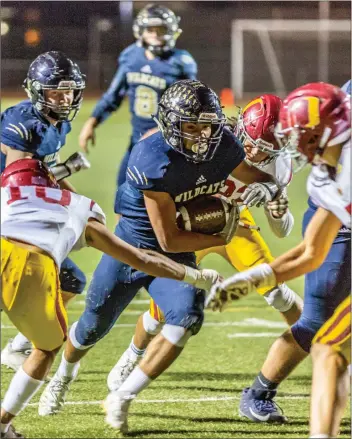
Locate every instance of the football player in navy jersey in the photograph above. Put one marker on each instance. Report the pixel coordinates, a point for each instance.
(146, 69)
(191, 155)
(38, 128)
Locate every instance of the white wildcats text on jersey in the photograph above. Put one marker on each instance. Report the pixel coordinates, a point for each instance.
(279, 167)
(333, 195)
(51, 219)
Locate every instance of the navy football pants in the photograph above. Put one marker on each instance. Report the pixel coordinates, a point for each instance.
(115, 284)
(325, 288)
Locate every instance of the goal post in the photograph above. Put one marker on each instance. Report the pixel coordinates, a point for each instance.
(279, 55)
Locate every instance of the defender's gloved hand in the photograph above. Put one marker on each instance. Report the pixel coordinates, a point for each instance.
(256, 194)
(202, 279)
(241, 284)
(278, 207)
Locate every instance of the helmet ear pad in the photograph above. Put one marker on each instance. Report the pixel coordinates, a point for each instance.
(171, 117)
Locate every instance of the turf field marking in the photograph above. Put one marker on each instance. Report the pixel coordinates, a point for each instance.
(247, 323)
(175, 400)
(254, 334)
(135, 302)
(126, 313)
(265, 323)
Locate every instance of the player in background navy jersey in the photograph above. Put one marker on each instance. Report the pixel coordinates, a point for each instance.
(146, 69)
(192, 155)
(38, 128)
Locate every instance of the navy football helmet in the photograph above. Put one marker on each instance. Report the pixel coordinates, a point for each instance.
(55, 71)
(191, 101)
(157, 15)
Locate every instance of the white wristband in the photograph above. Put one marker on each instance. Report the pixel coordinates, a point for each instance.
(191, 275)
(262, 276)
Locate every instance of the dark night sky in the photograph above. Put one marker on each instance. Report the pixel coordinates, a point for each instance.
(67, 12)
(75, 12)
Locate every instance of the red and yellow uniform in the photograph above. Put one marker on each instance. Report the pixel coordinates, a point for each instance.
(336, 332)
(39, 227)
(31, 295)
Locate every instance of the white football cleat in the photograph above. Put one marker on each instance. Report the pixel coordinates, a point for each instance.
(14, 359)
(122, 369)
(116, 406)
(53, 398)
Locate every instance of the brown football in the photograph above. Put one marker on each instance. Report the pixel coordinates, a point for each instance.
(206, 215)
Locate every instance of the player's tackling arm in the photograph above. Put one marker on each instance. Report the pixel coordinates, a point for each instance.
(148, 261)
(65, 184)
(312, 251)
(99, 237)
(304, 258)
(162, 214)
(251, 174)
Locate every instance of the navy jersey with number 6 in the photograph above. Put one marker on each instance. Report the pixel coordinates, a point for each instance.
(24, 129)
(143, 81)
(155, 166)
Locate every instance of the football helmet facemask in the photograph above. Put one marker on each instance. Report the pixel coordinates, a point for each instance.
(153, 16)
(191, 101)
(54, 71)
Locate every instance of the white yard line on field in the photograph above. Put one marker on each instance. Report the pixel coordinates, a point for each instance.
(175, 400)
(125, 313)
(135, 302)
(246, 323)
(253, 334)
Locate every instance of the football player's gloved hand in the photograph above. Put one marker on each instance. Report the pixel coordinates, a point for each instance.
(241, 284)
(256, 194)
(76, 162)
(202, 279)
(278, 207)
(230, 228)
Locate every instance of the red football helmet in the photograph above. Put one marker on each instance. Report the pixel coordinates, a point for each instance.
(28, 172)
(257, 123)
(312, 117)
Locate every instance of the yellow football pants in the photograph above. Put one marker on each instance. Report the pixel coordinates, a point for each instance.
(31, 295)
(336, 332)
(246, 249)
